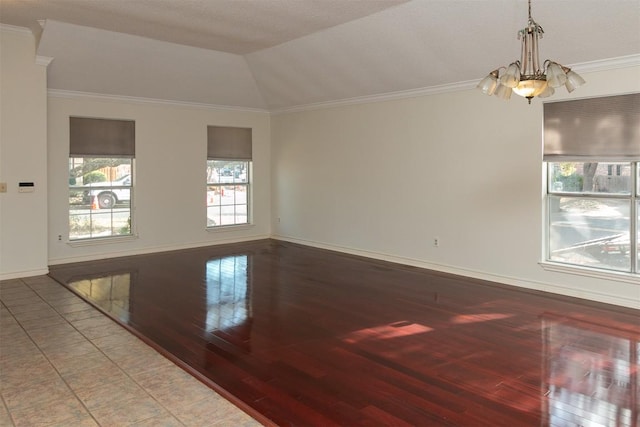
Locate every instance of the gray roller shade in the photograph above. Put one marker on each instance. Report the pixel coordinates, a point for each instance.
(606, 128)
(230, 143)
(101, 137)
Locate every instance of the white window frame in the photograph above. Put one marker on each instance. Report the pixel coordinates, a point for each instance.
(94, 209)
(220, 185)
(631, 276)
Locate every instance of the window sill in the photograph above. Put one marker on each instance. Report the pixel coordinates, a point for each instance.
(223, 228)
(618, 276)
(101, 241)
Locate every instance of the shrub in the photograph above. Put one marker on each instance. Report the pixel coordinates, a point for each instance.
(94, 176)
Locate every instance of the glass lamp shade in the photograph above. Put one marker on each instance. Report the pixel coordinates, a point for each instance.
(573, 81)
(547, 92)
(555, 75)
(489, 84)
(503, 92)
(511, 77)
(530, 87)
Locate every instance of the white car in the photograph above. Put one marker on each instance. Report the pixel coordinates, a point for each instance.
(109, 193)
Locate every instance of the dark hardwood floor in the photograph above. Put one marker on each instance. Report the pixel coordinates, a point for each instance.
(308, 337)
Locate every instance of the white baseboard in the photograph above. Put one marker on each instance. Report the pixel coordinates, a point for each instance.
(155, 249)
(505, 280)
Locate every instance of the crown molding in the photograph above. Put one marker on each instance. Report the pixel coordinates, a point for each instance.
(15, 29)
(608, 64)
(71, 94)
(585, 67)
(388, 96)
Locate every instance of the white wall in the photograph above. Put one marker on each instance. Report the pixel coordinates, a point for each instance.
(170, 175)
(384, 179)
(23, 156)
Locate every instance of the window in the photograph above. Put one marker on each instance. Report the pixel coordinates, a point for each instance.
(593, 189)
(100, 178)
(228, 176)
(589, 214)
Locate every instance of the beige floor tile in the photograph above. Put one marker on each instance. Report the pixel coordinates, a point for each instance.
(99, 376)
(64, 411)
(72, 307)
(206, 412)
(84, 314)
(5, 284)
(23, 310)
(63, 300)
(56, 353)
(106, 330)
(55, 335)
(43, 322)
(120, 338)
(93, 322)
(35, 314)
(5, 419)
(16, 345)
(39, 394)
(128, 413)
(77, 364)
(43, 280)
(111, 395)
(10, 328)
(21, 299)
(20, 375)
(163, 383)
(160, 421)
(57, 297)
(137, 358)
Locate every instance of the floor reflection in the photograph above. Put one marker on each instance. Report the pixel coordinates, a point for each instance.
(228, 300)
(110, 292)
(591, 374)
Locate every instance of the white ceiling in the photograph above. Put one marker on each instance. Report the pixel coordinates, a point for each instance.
(277, 54)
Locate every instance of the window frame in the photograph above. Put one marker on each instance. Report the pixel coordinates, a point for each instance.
(633, 198)
(247, 184)
(90, 201)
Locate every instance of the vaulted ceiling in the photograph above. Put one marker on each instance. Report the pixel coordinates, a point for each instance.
(278, 54)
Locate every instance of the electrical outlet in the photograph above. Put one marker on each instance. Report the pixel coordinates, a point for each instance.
(59, 237)
(436, 241)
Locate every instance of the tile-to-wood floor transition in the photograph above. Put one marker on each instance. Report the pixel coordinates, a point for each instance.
(63, 363)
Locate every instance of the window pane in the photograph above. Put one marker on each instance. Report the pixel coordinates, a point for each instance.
(227, 192)
(575, 177)
(590, 232)
(227, 171)
(100, 191)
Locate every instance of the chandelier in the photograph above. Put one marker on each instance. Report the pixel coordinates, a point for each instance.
(525, 77)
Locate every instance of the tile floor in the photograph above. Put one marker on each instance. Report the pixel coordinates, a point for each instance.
(63, 363)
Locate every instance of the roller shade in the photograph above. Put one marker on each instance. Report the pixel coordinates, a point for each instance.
(606, 128)
(101, 137)
(229, 143)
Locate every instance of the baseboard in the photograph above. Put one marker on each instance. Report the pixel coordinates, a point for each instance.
(24, 273)
(155, 249)
(475, 274)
